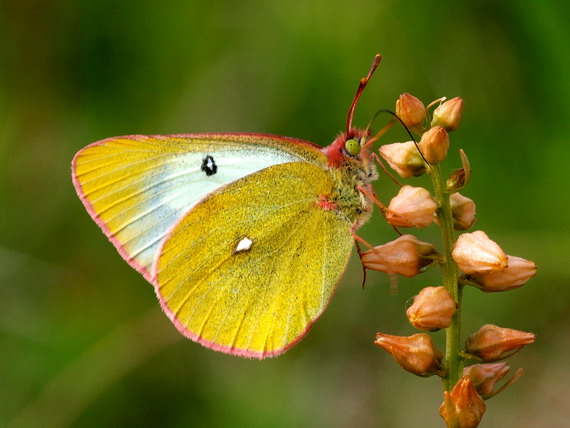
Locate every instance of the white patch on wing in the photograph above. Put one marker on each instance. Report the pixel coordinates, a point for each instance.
(179, 184)
(243, 245)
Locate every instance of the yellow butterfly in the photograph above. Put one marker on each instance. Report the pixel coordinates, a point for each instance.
(244, 236)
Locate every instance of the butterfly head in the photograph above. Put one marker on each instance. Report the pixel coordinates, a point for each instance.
(347, 148)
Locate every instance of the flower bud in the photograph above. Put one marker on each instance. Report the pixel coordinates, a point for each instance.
(434, 144)
(463, 211)
(457, 180)
(460, 177)
(448, 114)
(463, 407)
(486, 376)
(404, 158)
(476, 253)
(492, 343)
(433, 308)
(406, 256)
(415, 354)
(411, 207)
(412, 112)
(514, 275)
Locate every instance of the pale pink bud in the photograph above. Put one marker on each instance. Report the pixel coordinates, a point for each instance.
(412, 112)
(434, 144)
(514, 275)
(476, 253)
(492, 343)
(405, 256)
(415, 354)
(448, 114)
(411, 207)
(463, 407)
(404, 158)
(486, 376)
(433, 308)
(463, 211)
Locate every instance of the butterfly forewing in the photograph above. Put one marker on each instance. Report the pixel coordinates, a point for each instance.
(138, 187)
(251, 267)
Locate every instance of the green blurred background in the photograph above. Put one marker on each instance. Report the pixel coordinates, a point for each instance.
(83, 341)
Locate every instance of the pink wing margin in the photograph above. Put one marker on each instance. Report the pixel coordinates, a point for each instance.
(303, 149)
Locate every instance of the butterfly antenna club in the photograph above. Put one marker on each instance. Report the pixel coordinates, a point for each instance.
(361, 86)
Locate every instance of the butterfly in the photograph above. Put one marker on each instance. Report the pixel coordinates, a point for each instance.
(244, 236)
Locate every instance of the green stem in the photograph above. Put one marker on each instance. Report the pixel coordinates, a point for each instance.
(453, 361)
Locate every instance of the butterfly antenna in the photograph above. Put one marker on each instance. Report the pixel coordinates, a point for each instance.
(361, 86)
(383, 130)
(380, 133)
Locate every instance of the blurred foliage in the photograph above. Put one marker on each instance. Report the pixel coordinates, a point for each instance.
(82, 339)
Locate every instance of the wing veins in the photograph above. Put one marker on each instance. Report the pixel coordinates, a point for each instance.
(201, 280)
(266, 289)
(116, 160)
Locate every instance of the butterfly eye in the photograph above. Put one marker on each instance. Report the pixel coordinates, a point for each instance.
(352, 146)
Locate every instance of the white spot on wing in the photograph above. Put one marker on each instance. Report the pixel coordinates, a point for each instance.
(243, 245)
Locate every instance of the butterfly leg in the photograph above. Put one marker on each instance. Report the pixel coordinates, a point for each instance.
(386, 171)
(370, 194)
(359, 239)
(359, 251)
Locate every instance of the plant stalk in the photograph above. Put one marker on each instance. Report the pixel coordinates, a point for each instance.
(453, 361)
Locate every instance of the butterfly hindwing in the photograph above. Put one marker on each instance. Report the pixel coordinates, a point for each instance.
(138, 187)
(250, 268)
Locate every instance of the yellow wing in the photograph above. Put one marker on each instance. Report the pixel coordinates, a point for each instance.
(138, 187)
(250, 268)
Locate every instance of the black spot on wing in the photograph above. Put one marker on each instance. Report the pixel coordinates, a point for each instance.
(209, 166)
